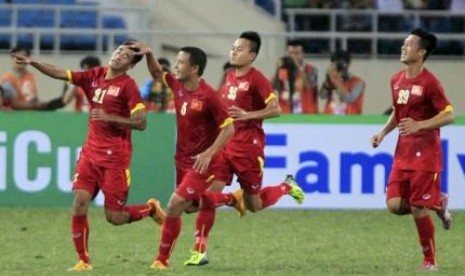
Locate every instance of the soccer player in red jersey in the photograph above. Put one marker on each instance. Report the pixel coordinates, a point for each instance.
(115, 109)
(420, 109)
(250, 99)
(203, 128)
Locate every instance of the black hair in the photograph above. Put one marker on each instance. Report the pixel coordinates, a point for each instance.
(254, 38)
(295, 43)
(20, 48)
(341, 55)
(428, 41)
(226, 66)
(135, 58)
(197, 57)
(164, 62)
(89, 62)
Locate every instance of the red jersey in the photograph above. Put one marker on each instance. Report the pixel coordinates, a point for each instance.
(419, 98)
(108, 145)
(250, 92)
(200, 115)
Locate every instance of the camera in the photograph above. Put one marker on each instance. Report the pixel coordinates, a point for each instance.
(341, 66)
(288, 64)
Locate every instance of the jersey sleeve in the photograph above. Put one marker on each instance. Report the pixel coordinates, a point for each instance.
(170, 81)
(438, 96)
(263, 87)
(84, 78)
(219, 109)
(135, 101)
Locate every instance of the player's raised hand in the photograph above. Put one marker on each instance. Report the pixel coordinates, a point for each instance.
(237, 113)
(140, 48)
(21, 59)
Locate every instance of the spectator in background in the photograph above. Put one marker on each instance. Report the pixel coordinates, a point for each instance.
(343, 91)
(156, 94)
(19, 85)
(308, 74)
(7, 104)
(71, 91)
(296, 81)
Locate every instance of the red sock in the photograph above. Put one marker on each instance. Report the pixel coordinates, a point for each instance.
(271, 194)
(137, 212)
(204, 223)
(212, 200)
(80, 234)
(169, 233)
(425, 229)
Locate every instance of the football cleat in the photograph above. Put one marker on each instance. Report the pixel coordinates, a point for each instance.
(444, 213)
(197, 259)
(159, 265)
(296, 192)
(156, 212)
(239, 206)
(427, 265)
(81, 266)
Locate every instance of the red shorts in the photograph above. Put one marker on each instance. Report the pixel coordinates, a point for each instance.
(248, 169)
(114, 183)
(419, 188)
(190, 185)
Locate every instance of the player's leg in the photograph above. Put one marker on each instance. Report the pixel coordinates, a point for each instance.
(115, 187)
(443, 212)
(250, 174)
(425, 195)
(85, 188)
(203, 225)
(398, 193)
(191, 187)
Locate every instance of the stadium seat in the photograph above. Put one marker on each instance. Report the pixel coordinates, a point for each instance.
(114, 22)
(62, 2)
(26, 2)
(5, 18)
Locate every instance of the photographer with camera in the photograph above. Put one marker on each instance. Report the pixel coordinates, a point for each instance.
(296, 81)
(344, 92)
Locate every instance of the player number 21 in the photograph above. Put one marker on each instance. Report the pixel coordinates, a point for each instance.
(403, 96)
(99, 95)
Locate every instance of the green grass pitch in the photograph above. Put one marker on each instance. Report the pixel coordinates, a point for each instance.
(273, 242)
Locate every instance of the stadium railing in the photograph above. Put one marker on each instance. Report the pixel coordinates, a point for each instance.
(59, 27)
(376, 32)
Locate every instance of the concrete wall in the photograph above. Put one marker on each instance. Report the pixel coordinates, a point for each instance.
(375, 72)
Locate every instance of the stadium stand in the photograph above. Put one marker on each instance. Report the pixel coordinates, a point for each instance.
(26, 16)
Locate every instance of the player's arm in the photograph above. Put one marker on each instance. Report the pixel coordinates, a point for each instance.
(202, 160)
(388, 127)
(137, 119)
(271, 110)
(409, 126)
(155, 69)
(47, 69)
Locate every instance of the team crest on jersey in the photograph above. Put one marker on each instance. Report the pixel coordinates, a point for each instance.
(417, 90)
(196, 105)
(243, 85)
(113, 91)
